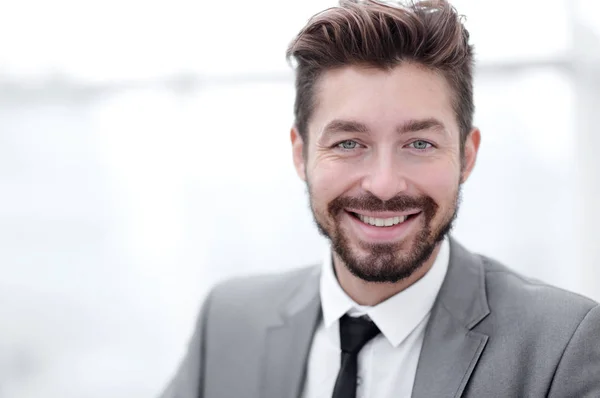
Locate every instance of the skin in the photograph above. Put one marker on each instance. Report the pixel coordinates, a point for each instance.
(385, 134)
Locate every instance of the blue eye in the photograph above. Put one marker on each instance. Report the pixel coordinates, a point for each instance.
(421, 145)
(348, 144)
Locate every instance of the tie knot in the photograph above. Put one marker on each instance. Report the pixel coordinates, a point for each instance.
(355, 333)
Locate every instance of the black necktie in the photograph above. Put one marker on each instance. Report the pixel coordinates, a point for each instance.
(354, 334)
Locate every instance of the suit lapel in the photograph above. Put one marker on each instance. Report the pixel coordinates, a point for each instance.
(288, 342)
(451, 348)
(448, 358)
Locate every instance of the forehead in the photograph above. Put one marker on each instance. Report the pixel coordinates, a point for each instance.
(382, 99)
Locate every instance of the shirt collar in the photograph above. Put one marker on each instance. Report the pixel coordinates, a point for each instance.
(396, 317)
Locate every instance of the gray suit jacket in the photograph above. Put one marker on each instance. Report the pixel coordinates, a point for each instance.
(492, 333)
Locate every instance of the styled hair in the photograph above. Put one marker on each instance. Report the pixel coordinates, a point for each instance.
(375, 34)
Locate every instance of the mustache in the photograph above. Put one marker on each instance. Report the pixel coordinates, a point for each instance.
(370, 202)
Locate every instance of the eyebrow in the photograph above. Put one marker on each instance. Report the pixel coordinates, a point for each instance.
(414, 125)
(410, 126)
(345, 126)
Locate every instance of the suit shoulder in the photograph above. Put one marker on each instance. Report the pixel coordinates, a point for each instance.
(528, 298)
(266, 290)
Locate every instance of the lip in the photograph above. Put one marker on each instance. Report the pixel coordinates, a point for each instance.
(371, 234)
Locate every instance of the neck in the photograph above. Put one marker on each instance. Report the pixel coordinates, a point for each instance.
(373, 293)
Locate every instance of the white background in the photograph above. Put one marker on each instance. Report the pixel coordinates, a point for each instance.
(144, 155)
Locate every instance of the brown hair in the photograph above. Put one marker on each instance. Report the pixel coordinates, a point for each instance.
(370, 33)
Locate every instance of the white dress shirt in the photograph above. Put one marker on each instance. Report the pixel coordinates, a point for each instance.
(388, 363)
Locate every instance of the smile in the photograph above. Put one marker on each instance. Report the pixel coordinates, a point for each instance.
(382, 222)
(382, 227)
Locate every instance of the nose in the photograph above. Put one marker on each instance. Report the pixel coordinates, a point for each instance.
(384, 177)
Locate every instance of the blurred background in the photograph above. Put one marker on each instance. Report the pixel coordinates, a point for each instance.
(144, 156)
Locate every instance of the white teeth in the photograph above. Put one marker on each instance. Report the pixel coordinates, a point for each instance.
(382, 222)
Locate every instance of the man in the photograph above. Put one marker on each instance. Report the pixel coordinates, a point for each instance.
(383, 138)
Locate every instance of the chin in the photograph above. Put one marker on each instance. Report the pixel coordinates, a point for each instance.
(383, 273)
(385, 262)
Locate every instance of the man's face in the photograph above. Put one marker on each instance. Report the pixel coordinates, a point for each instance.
(383, 167)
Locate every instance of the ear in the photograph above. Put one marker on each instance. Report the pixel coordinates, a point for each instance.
(298, 153)
(470, 153)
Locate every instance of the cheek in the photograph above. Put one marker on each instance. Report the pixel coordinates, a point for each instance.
(440, 183)
(328, 181)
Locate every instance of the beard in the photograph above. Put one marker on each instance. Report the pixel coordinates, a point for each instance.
(386, 262)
